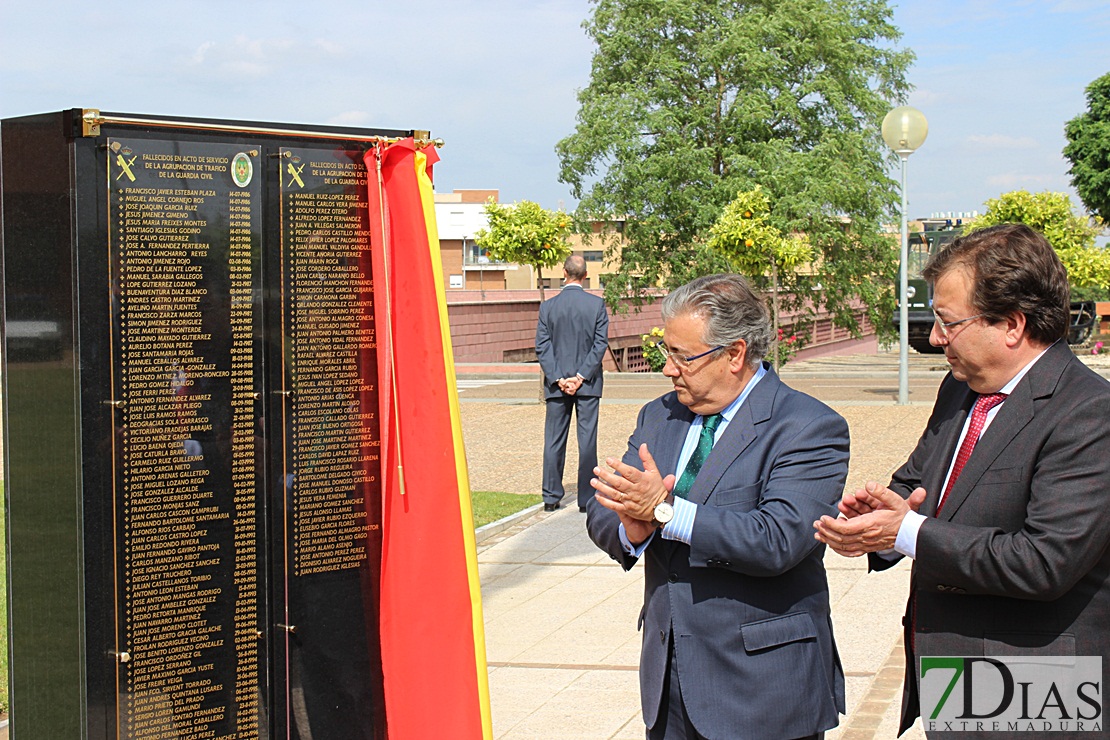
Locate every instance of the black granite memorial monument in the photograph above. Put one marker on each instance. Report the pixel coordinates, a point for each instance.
(190, 441)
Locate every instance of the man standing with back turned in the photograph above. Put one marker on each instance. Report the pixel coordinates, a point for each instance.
(716, 492)
(571, 338)
(1003, 504)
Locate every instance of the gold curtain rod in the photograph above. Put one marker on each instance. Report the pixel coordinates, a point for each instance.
(92, 120)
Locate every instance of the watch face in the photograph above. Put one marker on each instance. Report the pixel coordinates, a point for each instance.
(664, 512)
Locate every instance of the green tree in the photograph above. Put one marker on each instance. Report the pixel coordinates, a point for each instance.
(692, 101)
(1088, 149)
(756, 248)
(527, 234)
(1070, 234)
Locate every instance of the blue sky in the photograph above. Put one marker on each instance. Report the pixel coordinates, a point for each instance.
(497, 79)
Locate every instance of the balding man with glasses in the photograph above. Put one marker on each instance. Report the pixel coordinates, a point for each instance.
(717, 493)
(1003, 504)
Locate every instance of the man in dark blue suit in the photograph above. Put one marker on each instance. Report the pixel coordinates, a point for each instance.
(716, 492)
(571, 339)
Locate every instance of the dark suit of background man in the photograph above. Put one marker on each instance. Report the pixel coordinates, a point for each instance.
(571, 338)
(1016, 561)
(737, 639)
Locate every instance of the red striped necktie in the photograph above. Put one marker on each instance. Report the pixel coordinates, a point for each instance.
(983, 405)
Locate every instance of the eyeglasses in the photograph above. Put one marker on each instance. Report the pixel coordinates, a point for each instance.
(681, 361)
(944, 326)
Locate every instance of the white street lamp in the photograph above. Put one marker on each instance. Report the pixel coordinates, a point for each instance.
(904, 130)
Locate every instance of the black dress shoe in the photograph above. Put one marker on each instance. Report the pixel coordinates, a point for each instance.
(581, 509)
(550, 507)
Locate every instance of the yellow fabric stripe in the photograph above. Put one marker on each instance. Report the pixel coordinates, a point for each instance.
(427, 200)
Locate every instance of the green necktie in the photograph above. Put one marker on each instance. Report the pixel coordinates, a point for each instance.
(701, 452)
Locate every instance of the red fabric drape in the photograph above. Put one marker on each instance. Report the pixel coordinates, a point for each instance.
(431, 656)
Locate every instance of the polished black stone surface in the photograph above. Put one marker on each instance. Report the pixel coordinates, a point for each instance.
(191, 444)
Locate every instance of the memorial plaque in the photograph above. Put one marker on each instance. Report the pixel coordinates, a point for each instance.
(332, 444)
(183, 239)
(195, 513)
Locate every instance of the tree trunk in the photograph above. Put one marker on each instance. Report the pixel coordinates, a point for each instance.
(539, 281)
(775, 312)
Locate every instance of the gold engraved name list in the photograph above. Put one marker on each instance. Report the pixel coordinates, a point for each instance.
(181, 236)
(334, 428)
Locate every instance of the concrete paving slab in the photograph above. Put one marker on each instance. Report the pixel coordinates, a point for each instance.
(552, 702)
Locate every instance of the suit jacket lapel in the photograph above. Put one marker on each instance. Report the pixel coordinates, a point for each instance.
(671, 438)
(737, 437)
(1014, 415)
(666, 452)
(948, 434)
(1011, 418)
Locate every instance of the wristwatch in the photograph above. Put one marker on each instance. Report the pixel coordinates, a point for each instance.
(664, 512)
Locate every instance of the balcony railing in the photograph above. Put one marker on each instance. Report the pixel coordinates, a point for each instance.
(482, 261)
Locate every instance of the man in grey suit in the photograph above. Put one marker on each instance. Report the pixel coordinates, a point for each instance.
(571, 338)
(716, 492)
(1004, 503)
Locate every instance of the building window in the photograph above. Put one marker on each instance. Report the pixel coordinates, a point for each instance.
(477, 255)
(595, 255)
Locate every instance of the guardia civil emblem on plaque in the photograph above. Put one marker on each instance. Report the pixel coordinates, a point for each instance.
(241, 169)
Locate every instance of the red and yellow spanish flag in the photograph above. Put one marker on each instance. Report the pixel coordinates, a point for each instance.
(433, 643)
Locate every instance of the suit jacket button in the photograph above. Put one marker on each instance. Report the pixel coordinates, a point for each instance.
(662, 637)
(673, 577)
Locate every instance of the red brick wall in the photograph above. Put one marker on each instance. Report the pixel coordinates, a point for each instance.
(503, 329)
(500, 329)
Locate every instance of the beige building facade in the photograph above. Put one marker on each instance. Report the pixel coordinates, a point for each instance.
(460, 215)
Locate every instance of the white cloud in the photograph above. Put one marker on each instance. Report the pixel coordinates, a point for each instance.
(201, 52)
(1078, 6)
(254, 58)
(1002, 141)
(351, 118)
(926, 98)
(1017, 180)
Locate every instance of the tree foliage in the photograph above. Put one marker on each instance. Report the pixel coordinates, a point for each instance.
(692, 101)
(525, 233)
(756, 248)
(1070, 234)
(1088, 149)
(752, 244)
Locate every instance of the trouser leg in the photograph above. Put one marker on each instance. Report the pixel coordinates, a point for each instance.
(555, 429)
(673, 722)
(586, 411)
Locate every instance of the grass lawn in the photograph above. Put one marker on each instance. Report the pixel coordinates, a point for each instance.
(489, 506)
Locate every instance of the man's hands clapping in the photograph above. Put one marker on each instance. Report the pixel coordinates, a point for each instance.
(869, 520)
(632, 493)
